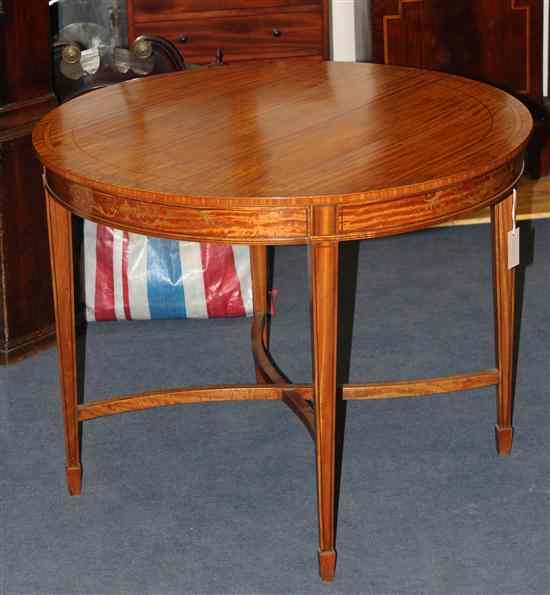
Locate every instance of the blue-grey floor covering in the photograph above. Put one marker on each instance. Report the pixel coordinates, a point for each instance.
(220, 498)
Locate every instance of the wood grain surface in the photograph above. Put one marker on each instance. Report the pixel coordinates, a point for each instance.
(502, 221)
(243, 35)
(61, 255)
(498, 41)
(395, 148)
(206, 31)
(26, 307)
(323, 271)
(420, 388)
(148, 11)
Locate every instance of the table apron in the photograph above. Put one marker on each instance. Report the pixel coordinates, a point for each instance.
(356, 218)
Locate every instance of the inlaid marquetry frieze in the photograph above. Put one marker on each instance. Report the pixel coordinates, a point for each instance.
(246, 225)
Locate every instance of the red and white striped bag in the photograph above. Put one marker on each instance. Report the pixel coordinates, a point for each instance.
(128, 276)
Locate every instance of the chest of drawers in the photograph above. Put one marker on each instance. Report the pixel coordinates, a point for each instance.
(238, 30)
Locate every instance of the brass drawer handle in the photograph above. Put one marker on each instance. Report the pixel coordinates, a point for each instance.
(276, 32)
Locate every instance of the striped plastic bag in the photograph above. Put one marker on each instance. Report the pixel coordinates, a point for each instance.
(128, 276)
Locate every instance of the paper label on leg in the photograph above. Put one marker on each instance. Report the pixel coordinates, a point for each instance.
(513, 248)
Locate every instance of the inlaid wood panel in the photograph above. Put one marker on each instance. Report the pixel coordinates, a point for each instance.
(403, 32)
(247, 225)
(533, 203)
(499, 41)
(428, 209)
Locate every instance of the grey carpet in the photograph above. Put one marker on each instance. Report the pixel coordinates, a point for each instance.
(220, 498)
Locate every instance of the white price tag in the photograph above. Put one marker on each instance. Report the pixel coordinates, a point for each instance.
(513, 248)
(513, 236)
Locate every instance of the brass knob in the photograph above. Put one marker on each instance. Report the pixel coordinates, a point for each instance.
(71, 54)
(142, 49)
(184, 39)
(276, 33)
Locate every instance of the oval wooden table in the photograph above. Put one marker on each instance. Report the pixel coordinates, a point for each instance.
(285, 153)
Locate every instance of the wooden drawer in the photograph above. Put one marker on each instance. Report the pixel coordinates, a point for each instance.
(266, 36)
(149, 11)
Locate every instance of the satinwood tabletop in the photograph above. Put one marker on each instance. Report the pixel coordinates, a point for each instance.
(293, 134)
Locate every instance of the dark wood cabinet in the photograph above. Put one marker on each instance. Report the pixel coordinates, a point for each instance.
(497, 41)
(235, 29)
(26, 310)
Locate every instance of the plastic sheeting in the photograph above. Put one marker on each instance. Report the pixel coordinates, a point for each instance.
(128, 276)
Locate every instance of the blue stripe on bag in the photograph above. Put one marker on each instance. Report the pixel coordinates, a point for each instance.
(164, 279)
